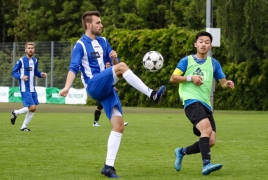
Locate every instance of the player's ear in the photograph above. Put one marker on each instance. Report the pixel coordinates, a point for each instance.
(88, 25)
(194, 44)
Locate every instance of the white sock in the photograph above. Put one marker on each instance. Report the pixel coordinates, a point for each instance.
(113, 146)
(27, 119)
(21, 111)
(134, 81)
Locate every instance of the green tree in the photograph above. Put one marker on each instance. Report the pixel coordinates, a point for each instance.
(8, 11)
(243, 26)
(194, 13)
(69, 19)
(48, 20)
(141, 14)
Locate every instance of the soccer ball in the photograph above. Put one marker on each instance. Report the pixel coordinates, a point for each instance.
(153, 61)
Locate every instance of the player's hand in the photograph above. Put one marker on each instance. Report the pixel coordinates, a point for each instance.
(64, 92)
(44, 75)
(113, 55)
(197, 80)
(25, 78)
(230, 84)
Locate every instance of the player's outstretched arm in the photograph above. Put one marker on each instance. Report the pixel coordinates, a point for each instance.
(226, 83)
(69, 81)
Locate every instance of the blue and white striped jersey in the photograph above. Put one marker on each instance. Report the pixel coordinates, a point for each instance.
(90, 56)
(26, 67)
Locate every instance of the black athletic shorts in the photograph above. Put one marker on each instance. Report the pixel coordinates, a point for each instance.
(196, 112)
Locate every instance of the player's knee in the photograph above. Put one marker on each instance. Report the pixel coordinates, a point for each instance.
(121, 68)
(119, 128)
(122, 128)
(207, 131)
(122, 65)
(32, 108)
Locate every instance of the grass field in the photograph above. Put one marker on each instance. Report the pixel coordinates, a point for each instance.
(64, 145)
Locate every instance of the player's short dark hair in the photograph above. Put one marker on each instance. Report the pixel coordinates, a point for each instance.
(203, 33)
(87, 17)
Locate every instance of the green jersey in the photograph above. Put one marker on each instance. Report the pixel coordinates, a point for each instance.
(188, 90)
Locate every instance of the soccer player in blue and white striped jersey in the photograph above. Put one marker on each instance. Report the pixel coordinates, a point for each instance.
(97, 112)
(25, 70)
(90, 54)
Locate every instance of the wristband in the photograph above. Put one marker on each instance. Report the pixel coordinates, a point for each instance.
(189, 78)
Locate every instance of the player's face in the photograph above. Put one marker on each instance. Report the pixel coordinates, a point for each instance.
(96, 26)
(203, 44)
(29, 50)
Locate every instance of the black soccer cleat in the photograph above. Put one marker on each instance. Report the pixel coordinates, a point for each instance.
(109, 171)
(13, 117)
(156, 96)
(25, 129)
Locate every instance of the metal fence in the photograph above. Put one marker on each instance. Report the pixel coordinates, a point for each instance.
(53, 58)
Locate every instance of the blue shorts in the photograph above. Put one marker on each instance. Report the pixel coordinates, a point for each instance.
(101, 88)
(29, 98)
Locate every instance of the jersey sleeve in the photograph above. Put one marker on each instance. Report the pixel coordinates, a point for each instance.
(36, 71)
(218, 72)
(16, 70)
(181, 67)
(76, 58)
(109, 49)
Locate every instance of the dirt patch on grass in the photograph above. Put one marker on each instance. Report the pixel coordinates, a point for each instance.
(56, 108)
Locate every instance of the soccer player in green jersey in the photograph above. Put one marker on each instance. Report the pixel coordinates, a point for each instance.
(195, 74)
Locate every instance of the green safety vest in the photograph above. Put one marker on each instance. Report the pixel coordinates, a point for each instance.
(188, 90)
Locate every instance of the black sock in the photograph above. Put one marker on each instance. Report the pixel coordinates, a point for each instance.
(97, 116)
(205, 149)
(193, 149)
